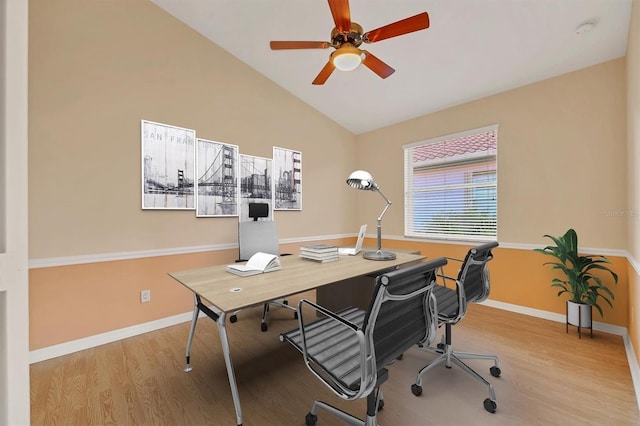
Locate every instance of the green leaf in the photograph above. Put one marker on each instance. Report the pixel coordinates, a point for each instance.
(580, 282)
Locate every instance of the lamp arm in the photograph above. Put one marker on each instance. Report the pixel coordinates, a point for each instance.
(386, 207)
(379, 227)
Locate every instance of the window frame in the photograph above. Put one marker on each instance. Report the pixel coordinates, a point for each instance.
(489, 156)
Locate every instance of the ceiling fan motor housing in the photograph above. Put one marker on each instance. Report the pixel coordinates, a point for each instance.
(353, 37)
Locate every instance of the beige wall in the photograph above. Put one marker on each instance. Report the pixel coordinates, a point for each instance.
(561, 156)
(633, 161)
(98, 68)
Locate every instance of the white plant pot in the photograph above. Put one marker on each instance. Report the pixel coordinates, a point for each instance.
(579, 315)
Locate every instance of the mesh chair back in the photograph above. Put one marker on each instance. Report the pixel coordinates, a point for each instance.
(349, 349)
(474, 273)
(257, 236)
(401, 313)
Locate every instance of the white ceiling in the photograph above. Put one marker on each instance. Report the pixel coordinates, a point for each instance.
(473, 49)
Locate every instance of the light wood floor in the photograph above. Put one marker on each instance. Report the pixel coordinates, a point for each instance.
(548, 378)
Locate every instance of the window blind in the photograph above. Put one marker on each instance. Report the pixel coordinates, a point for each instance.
(451, 186)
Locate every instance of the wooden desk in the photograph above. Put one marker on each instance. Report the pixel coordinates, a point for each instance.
(227, 293)
(356, 291)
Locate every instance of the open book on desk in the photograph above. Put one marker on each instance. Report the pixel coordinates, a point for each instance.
(257, 264)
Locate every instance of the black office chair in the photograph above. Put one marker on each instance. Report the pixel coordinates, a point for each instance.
(259, 236)
(348, 351)
(471, 286)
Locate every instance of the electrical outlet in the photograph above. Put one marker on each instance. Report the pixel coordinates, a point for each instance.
(145, 296)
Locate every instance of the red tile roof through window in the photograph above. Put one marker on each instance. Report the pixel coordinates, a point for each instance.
(478, 142)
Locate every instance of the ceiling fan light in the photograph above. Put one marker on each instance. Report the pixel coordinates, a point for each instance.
(347, 58)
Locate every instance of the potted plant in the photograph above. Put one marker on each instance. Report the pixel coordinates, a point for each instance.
(585, 289)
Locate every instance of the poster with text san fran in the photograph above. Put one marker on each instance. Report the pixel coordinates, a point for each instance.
(168, 161)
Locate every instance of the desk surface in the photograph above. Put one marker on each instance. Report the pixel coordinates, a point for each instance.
(229, 292)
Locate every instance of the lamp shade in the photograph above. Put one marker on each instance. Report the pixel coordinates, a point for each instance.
(347, 58)
(361, 180)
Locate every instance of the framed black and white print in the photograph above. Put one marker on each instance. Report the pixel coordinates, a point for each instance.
(287, 179)
(216, 179)
(168, 160)
(255, 184)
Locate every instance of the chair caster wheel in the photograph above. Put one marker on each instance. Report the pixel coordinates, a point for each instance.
(285, 302)
(440, 346)
(233, 318)
(263, 327)
(310, 419)
(416, 390)
(495, 371)
(380, 404)
(490, 405)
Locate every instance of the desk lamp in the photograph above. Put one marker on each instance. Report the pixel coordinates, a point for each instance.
(363, 180)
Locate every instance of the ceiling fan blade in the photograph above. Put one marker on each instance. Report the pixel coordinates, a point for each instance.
(376, 65)
(341, 14)
(408, 25)
(324, 73)
(280, 45)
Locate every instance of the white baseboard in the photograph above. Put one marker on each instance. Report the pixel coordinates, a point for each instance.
(104, 338)
(633, 366)
(552, 316)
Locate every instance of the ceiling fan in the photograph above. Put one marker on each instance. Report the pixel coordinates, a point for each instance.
(346, 38)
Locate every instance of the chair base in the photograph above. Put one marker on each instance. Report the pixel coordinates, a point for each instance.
(374, 403)
(447, 356)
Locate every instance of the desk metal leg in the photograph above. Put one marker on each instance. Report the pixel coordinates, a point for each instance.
(194, 320)
(221, 321)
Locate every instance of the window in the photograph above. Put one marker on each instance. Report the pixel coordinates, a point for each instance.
(451, 186)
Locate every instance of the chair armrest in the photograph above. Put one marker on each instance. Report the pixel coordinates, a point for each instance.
(445, 278)
(325, 311)
(320, 340)
(460, 261)
(316, 328)
(432, 311)
(461, 306)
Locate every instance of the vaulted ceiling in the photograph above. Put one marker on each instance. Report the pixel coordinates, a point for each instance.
(472, 49)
